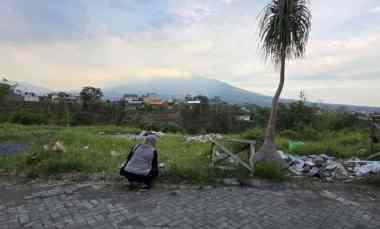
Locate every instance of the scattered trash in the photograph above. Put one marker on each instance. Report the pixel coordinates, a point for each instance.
(329, 168)
(314, 172)
(370, 167)
(57, 147)
(114, 153)
(138, 137)
(231, 181)
(45, 147)
(86, 147)
(204, 138)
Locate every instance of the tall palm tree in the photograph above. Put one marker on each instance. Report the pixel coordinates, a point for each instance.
(284, 31)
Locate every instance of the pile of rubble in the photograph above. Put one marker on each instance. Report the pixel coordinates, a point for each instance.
(139, 137)
(144, 133)
(204, 138)
(55, 147)
(329, 168)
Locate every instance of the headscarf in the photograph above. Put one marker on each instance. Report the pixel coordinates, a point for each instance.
(151, 140)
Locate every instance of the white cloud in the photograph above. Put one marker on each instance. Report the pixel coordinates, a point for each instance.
(375, 10)
(215, 42)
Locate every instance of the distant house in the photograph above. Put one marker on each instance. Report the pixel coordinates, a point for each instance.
(243, 117)
(18, 95)
(30, 97)
(242, 114)
(64, 97)
(132, 101)
(25, 96)
(194, 102)
(153, 100)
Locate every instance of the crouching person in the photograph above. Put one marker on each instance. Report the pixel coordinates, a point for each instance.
(142, 163)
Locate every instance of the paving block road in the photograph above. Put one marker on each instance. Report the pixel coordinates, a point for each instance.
(92, 205)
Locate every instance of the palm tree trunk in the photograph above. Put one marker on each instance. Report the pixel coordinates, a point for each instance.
(268, 151)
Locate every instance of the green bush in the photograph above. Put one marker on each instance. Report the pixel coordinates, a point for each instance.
(170, 127)
(82, 118)
(269, 170)
(254, 134)
(29, 118)
(291, 134)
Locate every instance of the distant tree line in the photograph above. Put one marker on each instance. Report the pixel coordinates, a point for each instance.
(204, 117)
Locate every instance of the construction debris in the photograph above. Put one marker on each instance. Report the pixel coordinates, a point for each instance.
(139, 137)
(204, 138)
(231, 181)
(55, 147)
(329, 168)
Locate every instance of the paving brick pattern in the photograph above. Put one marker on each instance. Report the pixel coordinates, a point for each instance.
(72, 207)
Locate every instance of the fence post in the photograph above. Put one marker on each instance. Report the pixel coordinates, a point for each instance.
(252, 151)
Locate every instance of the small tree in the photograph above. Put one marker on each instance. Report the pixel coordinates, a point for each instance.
(90, 95)
(284, 31)
(5, 90)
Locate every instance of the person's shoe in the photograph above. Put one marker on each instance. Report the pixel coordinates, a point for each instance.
(145, 187)
(132, 185)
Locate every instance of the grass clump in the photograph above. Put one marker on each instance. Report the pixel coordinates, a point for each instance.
(270, 170)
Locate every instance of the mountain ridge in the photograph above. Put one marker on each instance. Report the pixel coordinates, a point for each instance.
(169, 87)
(173, 87)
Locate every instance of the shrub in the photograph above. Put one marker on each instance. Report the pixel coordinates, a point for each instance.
(308, 133)
(269, 170)
(82, 118)
(291, 134)
(254, 134)
(28, 118)
(170, 127)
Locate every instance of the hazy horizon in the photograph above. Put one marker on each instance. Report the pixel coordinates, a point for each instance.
(66, 45)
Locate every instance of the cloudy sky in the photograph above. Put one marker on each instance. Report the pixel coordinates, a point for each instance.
(67, 44)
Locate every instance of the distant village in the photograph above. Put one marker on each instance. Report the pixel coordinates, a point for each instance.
(191, 114)
(131, 102)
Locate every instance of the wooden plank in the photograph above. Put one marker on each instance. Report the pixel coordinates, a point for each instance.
(239, 141)
(227, 151)
(221, 167)
(252, 152)
(212, 155)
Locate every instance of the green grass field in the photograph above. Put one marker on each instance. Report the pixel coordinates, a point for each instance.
(105, 153)
(88, 152)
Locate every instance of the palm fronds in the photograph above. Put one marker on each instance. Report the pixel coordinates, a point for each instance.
(284, 29)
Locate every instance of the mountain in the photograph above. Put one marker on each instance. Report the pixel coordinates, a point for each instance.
(169, 87)
(27, 87)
